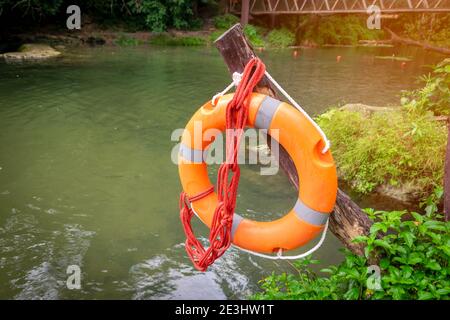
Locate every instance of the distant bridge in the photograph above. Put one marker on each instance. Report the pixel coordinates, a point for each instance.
(275, 7)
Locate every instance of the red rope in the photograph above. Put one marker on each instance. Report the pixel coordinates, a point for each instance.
(227, 177)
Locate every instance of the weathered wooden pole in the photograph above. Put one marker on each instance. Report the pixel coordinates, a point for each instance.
(348, 220)
(447, 177)
(245, 11)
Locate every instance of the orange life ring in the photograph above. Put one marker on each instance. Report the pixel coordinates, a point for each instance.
(303, 142)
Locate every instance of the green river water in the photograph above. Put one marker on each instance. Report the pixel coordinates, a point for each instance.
(86, 176)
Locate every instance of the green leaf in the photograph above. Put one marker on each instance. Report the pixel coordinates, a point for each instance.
(384, 263)
(352, 294)
(408, 237)
(359, 239)
(423, 295)
(382, 243)
(418, 217)
(414, 258)
(433, 265)
(327, 270)
(443, 291)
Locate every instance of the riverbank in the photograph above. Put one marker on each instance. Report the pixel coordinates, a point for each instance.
(399, 148)
(388, 150)
(308, 32)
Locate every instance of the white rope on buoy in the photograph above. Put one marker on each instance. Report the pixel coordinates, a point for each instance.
(299, 108)
(279, 256)
(237, 78)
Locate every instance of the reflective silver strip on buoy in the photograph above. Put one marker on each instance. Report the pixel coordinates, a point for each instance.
(309, 215)
(192, 155)
(236, 221)
(266, 112)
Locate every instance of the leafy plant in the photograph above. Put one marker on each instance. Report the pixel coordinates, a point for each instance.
(339, 30)
(126, 41)
(168, 40)
(413, 251)
(254, 35)
(431, 28)
(387, 148)
(225, 21)
(162, 14)
(435, 95)
(281, 38)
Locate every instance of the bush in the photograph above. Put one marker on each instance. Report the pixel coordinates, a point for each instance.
(435, 95)
(167, 40)
(254, 35)
(413, 259)
(433, 28)
(405, 146)
(215, 34)
(393, 147)
(159, 15)
(340, 30)
(225, 21)
(281, 38)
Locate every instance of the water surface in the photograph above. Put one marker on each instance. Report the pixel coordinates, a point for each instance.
(86, 176)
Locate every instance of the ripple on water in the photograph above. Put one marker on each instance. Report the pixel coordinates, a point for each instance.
(161, 277)
(37, 270)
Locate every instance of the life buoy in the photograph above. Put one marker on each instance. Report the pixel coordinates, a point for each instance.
(303, 142)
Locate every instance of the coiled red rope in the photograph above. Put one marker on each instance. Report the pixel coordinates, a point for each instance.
(227, 176)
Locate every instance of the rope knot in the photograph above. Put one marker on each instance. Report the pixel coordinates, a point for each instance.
(236, 119)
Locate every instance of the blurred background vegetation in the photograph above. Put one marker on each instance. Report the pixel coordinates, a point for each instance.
(210, 15)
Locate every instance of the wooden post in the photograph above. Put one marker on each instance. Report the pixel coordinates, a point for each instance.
(245, 10)
(447, 178)
(348, 220)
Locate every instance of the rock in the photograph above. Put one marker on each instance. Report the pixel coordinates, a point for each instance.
(405, 192)
(364, 109)
(30, 52)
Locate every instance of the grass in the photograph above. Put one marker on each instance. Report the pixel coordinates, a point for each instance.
(168, 40)
(126, 41)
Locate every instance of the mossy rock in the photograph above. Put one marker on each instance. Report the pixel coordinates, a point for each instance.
(31, 52)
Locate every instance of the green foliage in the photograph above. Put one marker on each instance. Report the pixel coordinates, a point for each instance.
(155, 15)
(126, 41)
(35, 8)
(215, 34)
(435, 95)
(254, 35)
(413, 253)
(431, 28)
(168, 40)
(281, 38)
(392, 147)
(153, 11)
(340, 30)
(225, 21)
(162, 14)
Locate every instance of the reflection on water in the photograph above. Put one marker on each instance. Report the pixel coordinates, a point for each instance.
(86, 177)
